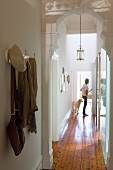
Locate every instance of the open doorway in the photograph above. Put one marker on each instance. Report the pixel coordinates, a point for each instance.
(81, 76)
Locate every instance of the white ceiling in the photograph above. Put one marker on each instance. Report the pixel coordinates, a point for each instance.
(55, 8)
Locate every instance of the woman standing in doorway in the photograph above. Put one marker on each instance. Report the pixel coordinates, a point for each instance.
(84, 90)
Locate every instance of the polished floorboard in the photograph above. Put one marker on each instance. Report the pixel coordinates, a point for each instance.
(78, 147)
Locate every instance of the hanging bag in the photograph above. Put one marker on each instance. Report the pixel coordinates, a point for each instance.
(14, 129)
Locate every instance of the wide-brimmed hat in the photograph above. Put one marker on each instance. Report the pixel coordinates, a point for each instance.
(16, 58)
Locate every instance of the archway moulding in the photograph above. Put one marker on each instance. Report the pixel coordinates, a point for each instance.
(107, 38)
(107, 43)
(78, 12)
(50, 41)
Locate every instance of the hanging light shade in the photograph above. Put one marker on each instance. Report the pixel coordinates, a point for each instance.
(80, 51)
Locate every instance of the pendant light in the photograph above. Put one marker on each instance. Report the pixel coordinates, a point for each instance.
(80, 51)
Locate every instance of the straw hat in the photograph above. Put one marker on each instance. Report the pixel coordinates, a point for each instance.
(16, 58)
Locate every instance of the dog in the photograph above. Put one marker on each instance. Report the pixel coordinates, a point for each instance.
(76, 105)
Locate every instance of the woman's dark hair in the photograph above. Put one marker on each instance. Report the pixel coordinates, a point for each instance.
(86, 81)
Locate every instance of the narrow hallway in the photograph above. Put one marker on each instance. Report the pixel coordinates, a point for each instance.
(78, 147)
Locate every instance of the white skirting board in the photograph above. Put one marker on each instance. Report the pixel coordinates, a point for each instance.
(63, 123)
(51, 158)
(39, 166)
(48, 161)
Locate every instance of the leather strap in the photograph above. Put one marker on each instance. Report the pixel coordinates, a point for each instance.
(13, 88)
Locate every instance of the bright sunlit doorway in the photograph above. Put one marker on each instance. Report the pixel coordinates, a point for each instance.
(81, 76)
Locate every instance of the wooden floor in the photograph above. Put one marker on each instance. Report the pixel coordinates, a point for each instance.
(78, 147)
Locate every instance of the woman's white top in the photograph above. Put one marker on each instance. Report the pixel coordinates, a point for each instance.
(84, 89)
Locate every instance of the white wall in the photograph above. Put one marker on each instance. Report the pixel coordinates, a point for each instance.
(64, 99)
(19, 23)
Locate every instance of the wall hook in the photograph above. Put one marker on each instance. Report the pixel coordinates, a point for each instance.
(6, 56)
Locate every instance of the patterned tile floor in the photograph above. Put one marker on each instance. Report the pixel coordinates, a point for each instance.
(78, 147)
